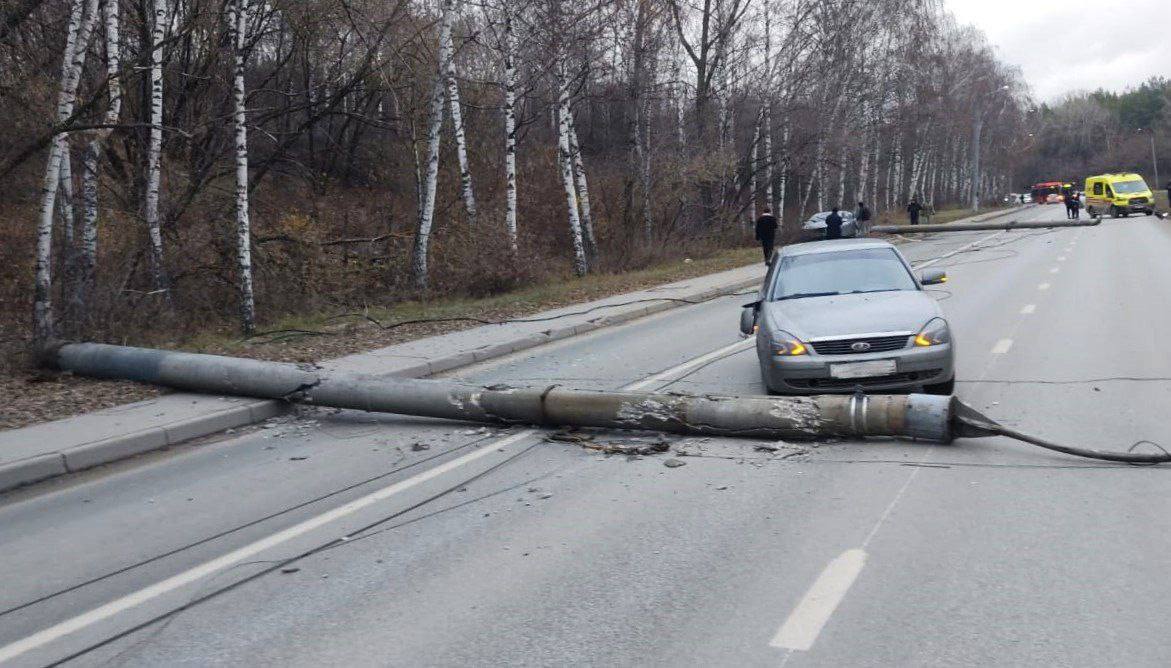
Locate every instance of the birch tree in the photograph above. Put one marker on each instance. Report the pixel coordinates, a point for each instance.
(461, 142)
(150, 206)
(510, 130)
(87, 257)
(238, 18)
(583, 191)
(565, 159)
(82, 15)
(431, 175)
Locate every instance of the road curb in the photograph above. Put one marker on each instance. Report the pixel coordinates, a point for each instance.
(78, 458)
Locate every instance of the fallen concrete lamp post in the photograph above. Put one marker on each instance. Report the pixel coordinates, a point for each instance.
(928, 417)
(976, 227)
(925, 417)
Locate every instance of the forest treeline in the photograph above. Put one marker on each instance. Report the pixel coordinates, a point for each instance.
(175, 163)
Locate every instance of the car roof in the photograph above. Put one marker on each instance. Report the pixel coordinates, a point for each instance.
(834, 245)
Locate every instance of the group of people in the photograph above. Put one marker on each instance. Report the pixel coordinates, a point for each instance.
(766, 227)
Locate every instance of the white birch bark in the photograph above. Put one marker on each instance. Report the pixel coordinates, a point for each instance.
(782, 167)
(767, 130)
(840, 198)
(82, 15)
(819, 173)
(580, 263)
(645, 162)
(427, 207)
(457, 121)
(583, 192)
(87, 257)
(510, 131)
(239, 20)
(150, 206)
(754, 166)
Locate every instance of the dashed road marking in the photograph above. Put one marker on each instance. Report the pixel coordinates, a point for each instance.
(1043, 286)
(1029, 308)
(1061, 259)
(1002, 346)
(804, 624)
(1055, 270)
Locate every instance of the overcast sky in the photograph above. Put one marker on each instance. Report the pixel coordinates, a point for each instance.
(1060, 48)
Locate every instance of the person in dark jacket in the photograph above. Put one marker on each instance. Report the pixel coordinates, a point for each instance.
(862, 219)
(1169, 193)
(766, 233)
(833, 225)
(913, 210)
(1074, 202)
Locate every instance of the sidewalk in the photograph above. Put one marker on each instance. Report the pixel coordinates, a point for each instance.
(55, 448)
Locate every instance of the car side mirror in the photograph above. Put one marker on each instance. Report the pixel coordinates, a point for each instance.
(933, 277)
(748, 319)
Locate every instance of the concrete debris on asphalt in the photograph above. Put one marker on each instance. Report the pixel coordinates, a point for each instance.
(674, 463)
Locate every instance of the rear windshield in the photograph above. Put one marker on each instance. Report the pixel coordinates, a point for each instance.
(840, 272)
(1136, 186)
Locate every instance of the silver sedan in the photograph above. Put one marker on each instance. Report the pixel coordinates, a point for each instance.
(837, 315)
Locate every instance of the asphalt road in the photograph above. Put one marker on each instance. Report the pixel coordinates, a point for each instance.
(346, 538)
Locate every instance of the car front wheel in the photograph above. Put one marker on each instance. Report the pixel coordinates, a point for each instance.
(945, 388)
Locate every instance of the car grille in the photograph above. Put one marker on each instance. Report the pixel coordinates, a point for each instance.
(1138, 200)
(850, 383)
(878, 344)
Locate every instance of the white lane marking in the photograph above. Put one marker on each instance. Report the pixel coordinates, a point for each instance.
(235, 557)
(690, 364)
(1043, 286)
(241, 554)
(804, 624)
(1055, 270)
(957, 251)
(1061, 259)
(1029, 308)
(1002, 346)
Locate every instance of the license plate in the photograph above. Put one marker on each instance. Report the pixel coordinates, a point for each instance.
(862, 369)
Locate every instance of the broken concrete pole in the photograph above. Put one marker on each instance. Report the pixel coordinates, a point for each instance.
(975, 227)
(913, 416)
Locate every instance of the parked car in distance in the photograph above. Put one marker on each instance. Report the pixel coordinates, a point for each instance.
(837, 315)
(814, 228)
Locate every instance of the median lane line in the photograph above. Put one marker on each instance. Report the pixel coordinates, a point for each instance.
(236, 557)
(1055, 270)
(1002, 346)
(804, 624)
(1028, 309)
(1043, 286)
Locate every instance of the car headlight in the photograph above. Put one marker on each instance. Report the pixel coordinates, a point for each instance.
(934, 333)
(787, 345)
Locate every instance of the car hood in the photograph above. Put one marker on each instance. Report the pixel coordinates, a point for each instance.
(846, 315)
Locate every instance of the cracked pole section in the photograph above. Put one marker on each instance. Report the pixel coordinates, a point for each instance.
(919, 416)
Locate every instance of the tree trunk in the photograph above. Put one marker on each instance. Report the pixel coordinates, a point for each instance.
(457, 121)
(977, 127)
(430, 181)
(82, 297)
(150, 208)
(239, 20)
(510, 130)
(565, 159)
(583, 193)
(82, 15)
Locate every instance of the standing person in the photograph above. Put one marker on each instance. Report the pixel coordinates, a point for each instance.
(1022, 198)
(862, 219)
(1074, 202)
(913, 210)
(1069, 205)
(766, 233)
(833, 225)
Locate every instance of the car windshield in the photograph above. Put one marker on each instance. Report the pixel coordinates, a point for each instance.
(840, 272)
(1136, 186)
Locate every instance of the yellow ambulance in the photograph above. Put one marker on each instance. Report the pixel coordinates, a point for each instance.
(1118, 195)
